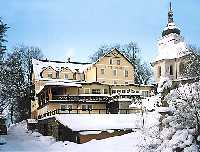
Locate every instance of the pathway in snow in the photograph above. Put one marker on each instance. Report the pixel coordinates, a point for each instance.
(18, 139)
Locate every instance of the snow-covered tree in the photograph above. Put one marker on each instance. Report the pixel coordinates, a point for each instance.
(3, 30)
(186, 101)
(191, 68)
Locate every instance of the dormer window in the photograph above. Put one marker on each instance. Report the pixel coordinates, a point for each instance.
(66, 76)
(50, 75)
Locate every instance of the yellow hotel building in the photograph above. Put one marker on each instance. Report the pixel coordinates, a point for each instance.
(104, 86)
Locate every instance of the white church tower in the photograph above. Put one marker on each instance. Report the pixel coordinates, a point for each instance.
(168, 63)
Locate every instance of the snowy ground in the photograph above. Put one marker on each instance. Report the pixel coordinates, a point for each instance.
(146, 139)
(19, 139)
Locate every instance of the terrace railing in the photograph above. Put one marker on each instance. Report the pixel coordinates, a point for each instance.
(84, 111)
(80, 98)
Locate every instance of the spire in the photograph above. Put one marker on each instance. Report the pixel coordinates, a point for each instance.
(171, 27)
(170, 14)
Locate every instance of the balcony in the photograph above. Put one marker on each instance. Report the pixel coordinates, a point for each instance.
(82, 97)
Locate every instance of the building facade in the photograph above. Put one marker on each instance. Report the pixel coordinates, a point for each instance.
(172, 51)
(100, 87)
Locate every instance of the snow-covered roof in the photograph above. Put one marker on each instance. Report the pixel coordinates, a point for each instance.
(68, 84)
(38, 66)
(55, 83)
(99, 121)
(95, 95)
(126, 94)
(172, 51)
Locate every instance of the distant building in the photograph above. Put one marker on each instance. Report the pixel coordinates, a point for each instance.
(100, 87)
(172, 50)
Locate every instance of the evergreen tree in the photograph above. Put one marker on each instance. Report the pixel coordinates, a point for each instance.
(3, 30)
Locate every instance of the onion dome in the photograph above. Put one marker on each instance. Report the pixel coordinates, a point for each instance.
(171, 27)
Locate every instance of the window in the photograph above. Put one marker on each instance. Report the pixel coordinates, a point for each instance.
(126, 73)
(110, 61)
(115, 72)
(145, 93)
(181, 68)
(132, 91)
(63, 107)
(86, 90)
(171, 69)
(90, 107)
(102, 71)
(123, 91)
(84, 107)
(105, 91)
(70, 107)
(113, 91)
(159, 71)
(57, 74)
(118, 62)
(95, 91)
(50, 75)
(118, 91)
(66, 76)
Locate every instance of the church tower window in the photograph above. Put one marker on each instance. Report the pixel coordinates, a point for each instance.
(159, 71)
(171, 69)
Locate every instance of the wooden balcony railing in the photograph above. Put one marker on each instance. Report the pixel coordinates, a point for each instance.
(85, 111)
(81, 98)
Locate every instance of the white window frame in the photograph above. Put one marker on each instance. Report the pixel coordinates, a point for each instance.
(86, 89)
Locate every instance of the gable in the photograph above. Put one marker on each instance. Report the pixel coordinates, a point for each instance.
(114, 53)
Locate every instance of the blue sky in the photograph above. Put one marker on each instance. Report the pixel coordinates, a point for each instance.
(76, 28)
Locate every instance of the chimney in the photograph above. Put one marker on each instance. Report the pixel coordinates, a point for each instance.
(68, 60)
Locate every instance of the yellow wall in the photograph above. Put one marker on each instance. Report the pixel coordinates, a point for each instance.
(93, 86)
(66, 71)
(90, 74)
(108, 77)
